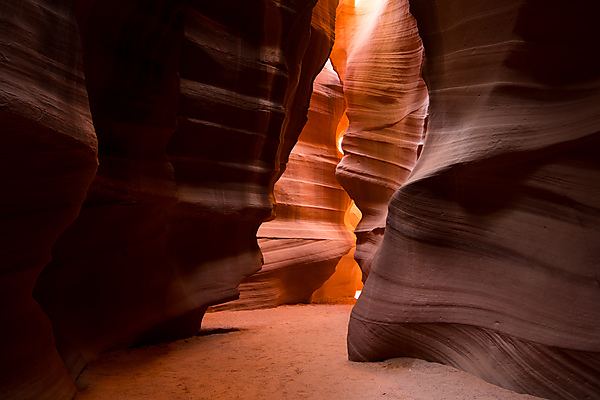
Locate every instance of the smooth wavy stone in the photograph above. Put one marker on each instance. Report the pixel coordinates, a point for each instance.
(306, 240)
(47, 161)
(239, 161)
(379, 58)
(519, 365)
(488, 261)
(191, 126)
(106, 282)
(293, 270)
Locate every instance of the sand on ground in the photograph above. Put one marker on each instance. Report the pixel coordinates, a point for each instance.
(290, 352)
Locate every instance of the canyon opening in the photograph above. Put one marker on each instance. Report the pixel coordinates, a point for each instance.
(300, 199)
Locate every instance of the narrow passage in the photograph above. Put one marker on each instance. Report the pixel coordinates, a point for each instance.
(290, 352)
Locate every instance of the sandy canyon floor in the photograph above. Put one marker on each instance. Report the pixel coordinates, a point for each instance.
(292, 352)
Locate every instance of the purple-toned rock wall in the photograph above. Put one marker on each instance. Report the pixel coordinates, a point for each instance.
(489, 261)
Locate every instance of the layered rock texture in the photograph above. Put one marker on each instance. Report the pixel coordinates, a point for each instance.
(490, 259)
(141, 143)
(195, 108)
(305, 241)
(378, 54)
(47, 161)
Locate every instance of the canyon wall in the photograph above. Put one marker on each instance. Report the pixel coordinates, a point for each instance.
(378, 54)
(195, 108)
(107, 279)
(303, 244)
(47, 161)
(489, 261)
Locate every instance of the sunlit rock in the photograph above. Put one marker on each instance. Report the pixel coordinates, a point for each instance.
(304, 243)
(379, 56)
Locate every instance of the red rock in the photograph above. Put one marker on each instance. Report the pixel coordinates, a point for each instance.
(195, 110)
(47, 161)
(109, 274)
(230, 187)
(306, 240)
(489, 260)
(379, 57)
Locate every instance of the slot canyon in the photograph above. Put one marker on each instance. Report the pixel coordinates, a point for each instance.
(181, 179)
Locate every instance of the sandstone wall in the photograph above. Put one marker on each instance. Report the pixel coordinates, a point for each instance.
(378, 54)
(490, 257)
(47, 161)
(195, 107)
(109, 269)
(304, 243)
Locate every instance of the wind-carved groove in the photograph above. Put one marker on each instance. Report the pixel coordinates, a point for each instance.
(303, 245)
(188, 143)
(489, 262)
(378, 50)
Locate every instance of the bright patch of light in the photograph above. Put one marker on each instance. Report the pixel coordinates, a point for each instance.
(339, 144)
(357, 294)
(356, 2)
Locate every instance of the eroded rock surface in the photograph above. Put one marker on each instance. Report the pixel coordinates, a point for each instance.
(379, 55)
(226, 182)
(195, 107)
(47, 161)
(490, 257)
(304, 243)
(109, 272)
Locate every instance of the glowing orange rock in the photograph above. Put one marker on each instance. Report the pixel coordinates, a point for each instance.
(379, 56)
(307, 238)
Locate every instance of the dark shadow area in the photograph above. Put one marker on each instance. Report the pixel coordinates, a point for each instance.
(218, 331)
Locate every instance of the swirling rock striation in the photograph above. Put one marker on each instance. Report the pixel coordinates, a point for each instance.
(304, 243)
(379, 57)
(47, 161)
(490, 258)
(194, 106)
(106, 282)
(226, 167)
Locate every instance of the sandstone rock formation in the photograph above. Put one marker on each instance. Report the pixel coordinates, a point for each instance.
(47, 161)
(304, 243)
(490, 256)
(109, 272)
(195, 108)
(378, 54)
